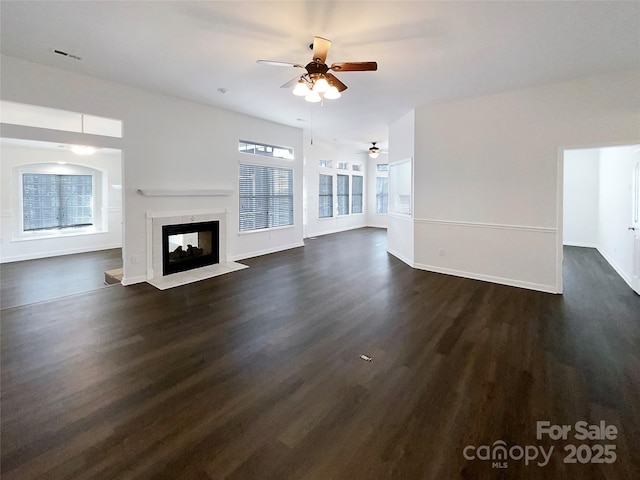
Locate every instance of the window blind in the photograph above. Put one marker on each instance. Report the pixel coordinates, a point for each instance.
(382, 194)
(56, 201)
(266, 197)
(343, 194)
(325, 196)
(356, 194)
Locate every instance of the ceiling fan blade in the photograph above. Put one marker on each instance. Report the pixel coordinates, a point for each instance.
(279, 64)
(333, 80)
(354, 66)
(320, 49)
(291, 82)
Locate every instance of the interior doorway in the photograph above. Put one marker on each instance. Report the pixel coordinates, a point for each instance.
(57, 204)
(601, 205)
(62, 195)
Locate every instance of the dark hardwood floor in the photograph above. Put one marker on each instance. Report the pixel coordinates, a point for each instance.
(31, 281)
(257, 375)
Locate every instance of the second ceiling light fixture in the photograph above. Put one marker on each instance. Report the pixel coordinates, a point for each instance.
(318, 83)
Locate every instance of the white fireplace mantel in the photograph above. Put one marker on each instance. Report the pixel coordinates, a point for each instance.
(185, 192)
(186, 213)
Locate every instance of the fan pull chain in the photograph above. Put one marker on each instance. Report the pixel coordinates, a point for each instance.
(311, 111)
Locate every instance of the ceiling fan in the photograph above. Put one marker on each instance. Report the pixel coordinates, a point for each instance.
(374, 151)
(318, 82)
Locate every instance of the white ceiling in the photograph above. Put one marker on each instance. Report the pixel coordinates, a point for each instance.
(427, 52)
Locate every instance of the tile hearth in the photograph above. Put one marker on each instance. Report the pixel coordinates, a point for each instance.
(195, 275)
(155, 222)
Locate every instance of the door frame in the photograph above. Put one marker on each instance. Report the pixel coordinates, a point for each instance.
(560, 203)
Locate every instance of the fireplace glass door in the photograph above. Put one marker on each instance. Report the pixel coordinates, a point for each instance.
(190, 245)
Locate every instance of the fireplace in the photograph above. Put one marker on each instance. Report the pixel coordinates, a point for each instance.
(156, 247)
(190, 245)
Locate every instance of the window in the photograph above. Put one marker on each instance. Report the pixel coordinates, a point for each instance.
(56, 201)
(325, 196)
(342, 165)
(356, 168)
(382, 167)
(343, 194)
(266, 197)
(264, 149)
(325, 163)
(382, 194)
(400, 187)
(356, 194)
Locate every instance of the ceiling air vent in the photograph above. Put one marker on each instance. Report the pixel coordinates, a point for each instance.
(66, 54)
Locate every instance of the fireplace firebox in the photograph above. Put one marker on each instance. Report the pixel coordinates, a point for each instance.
(190, 245)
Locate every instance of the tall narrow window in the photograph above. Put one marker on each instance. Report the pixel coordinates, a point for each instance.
(325, 196)
(400, 187)
(382, 194)
(356, 194)
(343, 194)
(56, 201)
(266, 197)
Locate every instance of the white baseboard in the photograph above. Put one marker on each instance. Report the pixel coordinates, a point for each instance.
(401, 257)
(58, 253)
(258, 253)
(616, 267)
(133, 280)
(579, 244)
(337, 230)
(489, 278)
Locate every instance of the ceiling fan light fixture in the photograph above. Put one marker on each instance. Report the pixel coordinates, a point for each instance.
(318, 82)
(83, 150)
(321, 85)
(301, 89)
(332, 93)
(313, 97)
(374, 151)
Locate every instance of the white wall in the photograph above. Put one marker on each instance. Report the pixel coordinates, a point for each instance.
(167, 143)
(107, 215)
(487, 178)
(615, 240)
(400, 231)
(581, 197)
(322, 150)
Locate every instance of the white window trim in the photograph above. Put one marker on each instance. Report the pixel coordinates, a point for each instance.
(99, 225)
(333, 197)
(338, 214)
(376, 193)
(362, 195)
(269, 229)
(261, 144)
(287, 166)
(396, 164)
